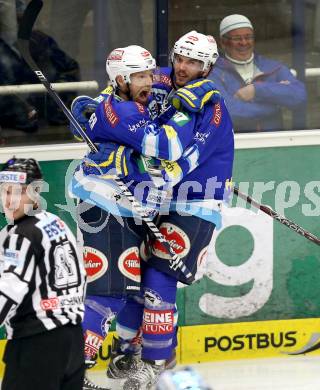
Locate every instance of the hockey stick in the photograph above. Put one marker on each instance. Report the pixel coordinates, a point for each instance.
(280, 218)
(24, 34)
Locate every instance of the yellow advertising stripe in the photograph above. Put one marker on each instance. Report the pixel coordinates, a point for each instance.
(244, 340)
(251, 340)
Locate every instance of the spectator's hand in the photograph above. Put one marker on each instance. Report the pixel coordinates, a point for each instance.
(195, 94)
(246, 93)
(111, 160)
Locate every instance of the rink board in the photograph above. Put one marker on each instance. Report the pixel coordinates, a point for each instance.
(260, 277)
(246, 340)
(249, 340)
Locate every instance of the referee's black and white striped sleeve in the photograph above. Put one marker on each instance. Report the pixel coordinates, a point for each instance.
(17, 272)
(43, 279)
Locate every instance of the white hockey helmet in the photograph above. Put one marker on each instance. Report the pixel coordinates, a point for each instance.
(125, 61)
(197, 46)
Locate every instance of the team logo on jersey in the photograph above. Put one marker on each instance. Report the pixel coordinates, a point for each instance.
(217, 114)
(177, 239)
(111, 115)
(129, 264)
(152, 297)
(95, 263)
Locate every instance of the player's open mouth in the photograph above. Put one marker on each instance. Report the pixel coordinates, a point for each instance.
(144, 94)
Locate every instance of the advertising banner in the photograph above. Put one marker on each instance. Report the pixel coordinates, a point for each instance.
(257, 290)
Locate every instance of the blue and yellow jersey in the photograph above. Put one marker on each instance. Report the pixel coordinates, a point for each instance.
(191, 154)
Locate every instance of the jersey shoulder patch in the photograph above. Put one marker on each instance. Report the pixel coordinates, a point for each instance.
(181, 118)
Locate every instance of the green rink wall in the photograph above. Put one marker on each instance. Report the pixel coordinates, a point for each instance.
(257, 268)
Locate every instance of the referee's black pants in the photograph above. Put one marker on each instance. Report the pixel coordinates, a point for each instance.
(53, 360)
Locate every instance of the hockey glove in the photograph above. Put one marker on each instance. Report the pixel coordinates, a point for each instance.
(195, 94)
(82, 107)
(112, 160)
(167, 112)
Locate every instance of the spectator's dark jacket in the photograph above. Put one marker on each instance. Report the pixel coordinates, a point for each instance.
(56, 65)
(264, 112)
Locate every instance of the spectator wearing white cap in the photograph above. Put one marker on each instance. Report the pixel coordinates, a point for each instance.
(255, 88)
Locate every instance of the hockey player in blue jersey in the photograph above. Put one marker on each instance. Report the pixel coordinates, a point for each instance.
(187, 142)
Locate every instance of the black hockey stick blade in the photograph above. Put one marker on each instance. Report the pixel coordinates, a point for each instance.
(278, 217)
(25, 29)
(29, 17)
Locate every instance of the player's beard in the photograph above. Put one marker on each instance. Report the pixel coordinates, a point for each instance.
(181, 79)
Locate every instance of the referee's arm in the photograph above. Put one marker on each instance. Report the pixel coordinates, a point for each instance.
(19, 266)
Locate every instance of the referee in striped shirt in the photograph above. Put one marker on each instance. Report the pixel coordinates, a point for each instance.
(42, 287)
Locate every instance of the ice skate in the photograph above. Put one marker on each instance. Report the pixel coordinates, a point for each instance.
(89, 385)
(122, 365)
(145, 377)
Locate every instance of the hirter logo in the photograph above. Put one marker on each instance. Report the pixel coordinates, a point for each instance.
(95, 263)
(177, 239)
(129, 264)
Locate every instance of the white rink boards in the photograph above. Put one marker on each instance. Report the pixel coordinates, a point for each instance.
(289, 373)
